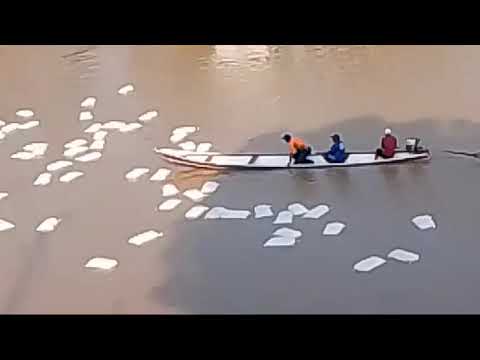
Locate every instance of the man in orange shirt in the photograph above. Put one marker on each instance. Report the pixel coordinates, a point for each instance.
(298, 150)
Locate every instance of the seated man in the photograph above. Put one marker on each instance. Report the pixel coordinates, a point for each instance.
(337, 151)
(388, 146)
(298, 150)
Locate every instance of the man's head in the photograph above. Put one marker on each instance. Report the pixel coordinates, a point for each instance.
(388, 131)
(335, 138)
(287, 138)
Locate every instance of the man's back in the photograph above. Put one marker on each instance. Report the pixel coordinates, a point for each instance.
(389, 145)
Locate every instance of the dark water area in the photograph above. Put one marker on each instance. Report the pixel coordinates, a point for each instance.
(243, 99)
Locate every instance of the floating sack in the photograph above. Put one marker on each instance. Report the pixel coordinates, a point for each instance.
(424, 222)
(333, 228)
(126, 89)
(280, 242)
(144, 237)
(223, 213)
(97, 145)
(177, 137)
(170, 204)
(88, 102)
(136, 173)
(6, 225)
(74, 151)
(317, 212)
(160, 175)
(369, 264)
(169, 190)
(38, 149)
(9, 127)
(185, 130)
(194, 194)
(3, 195)
(43, 179)
(263, 211)
(75, 143)
(59, 164)
(130, 127)
(70, 176)
(85, 116)
(113, 125)
(25, 113)
(209, 187)
(93, 128)
(204, 147)
(149, 115)
(284, 217)
(195, 212)
(2, 135)
(101, 263)
(100, 135)
(187, 146)
(28, 125)
(287, 233)
(49, 224)
(297, 209)
(93, 156)
(403, 256)
(23, 155)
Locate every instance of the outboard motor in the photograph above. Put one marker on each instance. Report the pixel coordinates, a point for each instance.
(412, 145)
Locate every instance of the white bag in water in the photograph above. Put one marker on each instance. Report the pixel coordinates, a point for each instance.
(187, 146)
(43, 179)
(203, 147)
(177, 137)
(6, 225)
(136, 173)
(75, 143)
(100, 135)
(93, 156)
(209, 187)
(194, 194)
(74, 151)
(38, 149)
(23, 155)
(169, 190)
(160, 175)
(333, 228)
(93, 128)
(49, 224)
(195, 212)
(113, 125)
(3, 195)
(368, 264)
(130, 127)
(101, 263)
(57, 165)
(287, 233)
(169, 205)
(424, 222)
(263, 211)
(88, 102)
(149, 115)
(284, 217)
(9, 127)
(223, 213)
(25, 113)
(403, 255)
(28, 125)
(126, 89)
(185, 130)
(97, 145)
(70, 176)
(144, 237)
(297, 209)
(280, 242)
(85, 116)
(317, 212)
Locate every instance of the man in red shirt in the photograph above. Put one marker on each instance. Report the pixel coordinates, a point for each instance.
(388, 146)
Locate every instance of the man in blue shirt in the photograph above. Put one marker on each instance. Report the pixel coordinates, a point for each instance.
(337, 151)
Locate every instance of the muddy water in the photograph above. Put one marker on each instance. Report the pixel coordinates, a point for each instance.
(242, 98)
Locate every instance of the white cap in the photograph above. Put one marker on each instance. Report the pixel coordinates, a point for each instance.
(388, 131)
